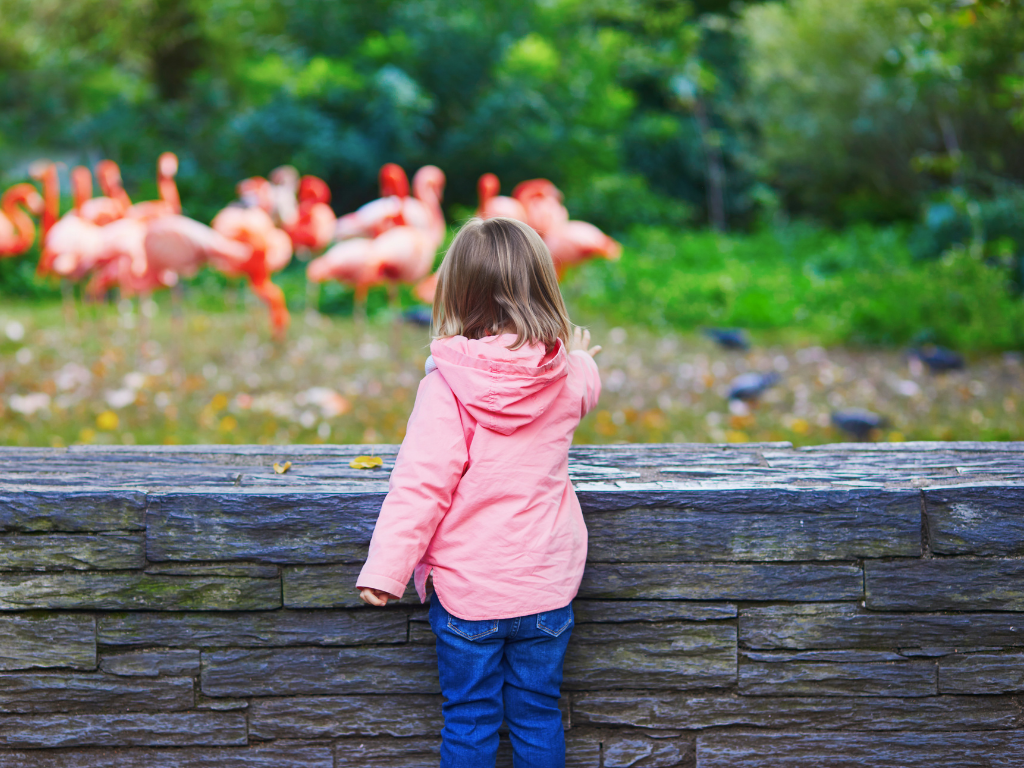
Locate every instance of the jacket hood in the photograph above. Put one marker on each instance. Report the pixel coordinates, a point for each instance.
(502, 389)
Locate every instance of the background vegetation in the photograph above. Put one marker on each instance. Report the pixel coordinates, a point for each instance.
(889, 131)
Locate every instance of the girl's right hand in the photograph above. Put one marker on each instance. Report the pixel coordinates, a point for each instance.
(581, 341)
(377, 597)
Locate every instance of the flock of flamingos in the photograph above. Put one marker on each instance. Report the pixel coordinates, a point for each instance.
(142, 247)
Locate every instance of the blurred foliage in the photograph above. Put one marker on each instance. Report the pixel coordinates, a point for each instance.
(643, 111)
(862, 286)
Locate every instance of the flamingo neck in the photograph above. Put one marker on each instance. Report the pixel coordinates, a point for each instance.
(51, 198)
(81, 187)
(169, 192)
(25, 228)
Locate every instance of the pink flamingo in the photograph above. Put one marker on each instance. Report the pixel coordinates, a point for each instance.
(284, 195)
(17, 230)
(316, 223)
(573, 242)
(271, 252)
(378, 215)
(109, 176)
(542, 202)
(70, 244)
(97, 210)
(492, 204)
(353, 261)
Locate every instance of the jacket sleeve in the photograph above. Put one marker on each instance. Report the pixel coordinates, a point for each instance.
(428, 468)
(590, 377)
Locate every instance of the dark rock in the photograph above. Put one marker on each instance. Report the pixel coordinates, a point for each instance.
(387, 753)
(253, 630)
(37, 641)
(321, 586)
(37, 511)
(72, 551)
(312, 671)
(314, 527)
(57, 692)
(723, 581)
(945, 584)
(860, 750)
(617, 611)
(697, 711)
(152, 663)
(976, 521)
(846, 626)
(281, 754)
(330, 717)
(801, 678)
(644, 655)
(107, 591)
(761, 524)
(629, 750)
(981, 673)
(166, 729)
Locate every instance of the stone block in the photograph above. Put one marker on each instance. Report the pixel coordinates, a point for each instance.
(72, 551)
(976, 520)
(387, 753)
(36, 641)
(650, 655)
(723, 581)
(301, 528)
(331, 717)
(761, 524)
(945, 585)
(62, 692)
(664, 710)
(634, 750)
(986, 673)
(152, 663)
(861, 750)
(847, 626)
(315, 671)
(280, 754)
(787, 677)
(321, 586)
(616, 611)
(166, 729)
(86, 511)
(251, 630)
(112, 591)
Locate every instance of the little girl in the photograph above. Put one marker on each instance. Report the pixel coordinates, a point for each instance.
(480, 499)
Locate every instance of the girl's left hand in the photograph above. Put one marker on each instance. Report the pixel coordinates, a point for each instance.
(581, 341)
(377, 597)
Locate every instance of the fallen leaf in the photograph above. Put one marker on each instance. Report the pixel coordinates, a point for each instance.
(366, 462)
(280, 469)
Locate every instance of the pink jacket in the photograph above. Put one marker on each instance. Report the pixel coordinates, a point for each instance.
(480, 494)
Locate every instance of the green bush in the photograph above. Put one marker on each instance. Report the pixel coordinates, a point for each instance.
(862, 286)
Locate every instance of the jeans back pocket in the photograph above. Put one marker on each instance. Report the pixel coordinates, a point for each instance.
(555, 622)
(472, 630)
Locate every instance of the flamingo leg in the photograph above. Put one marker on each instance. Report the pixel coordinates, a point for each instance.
(273, 297)
(359, 306)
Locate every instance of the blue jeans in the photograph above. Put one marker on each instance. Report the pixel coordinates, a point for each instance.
(509, 668)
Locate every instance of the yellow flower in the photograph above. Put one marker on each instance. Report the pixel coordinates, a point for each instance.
(107, 421)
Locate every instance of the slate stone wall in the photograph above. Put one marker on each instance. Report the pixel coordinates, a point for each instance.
(757, 606)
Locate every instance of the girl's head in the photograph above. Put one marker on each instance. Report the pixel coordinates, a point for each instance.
(498, 277)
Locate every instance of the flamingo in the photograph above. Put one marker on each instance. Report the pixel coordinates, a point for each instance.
(378, 215)
(17, 230)
(271, 252)
(109, 176)
(285, 191)
(492, 204)
(407, 251)
(353, 261)
(570, 242)
(315, 226)
(542, 202)
(573, 242)
(70, 244)
(97, 210)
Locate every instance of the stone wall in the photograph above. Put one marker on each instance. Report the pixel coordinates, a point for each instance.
(753, 606)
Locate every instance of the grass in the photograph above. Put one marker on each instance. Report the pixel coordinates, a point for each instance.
(124, 374)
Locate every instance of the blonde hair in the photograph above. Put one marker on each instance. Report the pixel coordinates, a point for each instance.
(498, 277)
